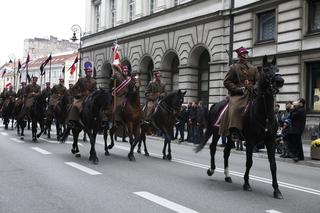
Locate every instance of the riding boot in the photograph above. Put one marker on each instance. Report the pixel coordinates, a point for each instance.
(235, 135)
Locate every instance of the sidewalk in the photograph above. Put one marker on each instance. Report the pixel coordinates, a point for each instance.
(261, 154)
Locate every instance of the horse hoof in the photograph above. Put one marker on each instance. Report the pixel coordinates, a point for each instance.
(277, 195)
(110, 146)
(21, 137)
(106, 153)
(210, 172)
(73, 151)
(146, 154)
(169, 157)
(164, 157)
(131, 157)
(95, 161)
(247, 187)
(228, 179)
(139, 151)
(78, 155)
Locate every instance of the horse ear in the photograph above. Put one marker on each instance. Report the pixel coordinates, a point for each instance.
(274, 60)
(184, 93)
(265, 60)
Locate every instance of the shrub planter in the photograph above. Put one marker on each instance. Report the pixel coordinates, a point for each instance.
(315, 153)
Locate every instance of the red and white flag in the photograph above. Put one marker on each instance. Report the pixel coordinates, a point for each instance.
(8, 85)
(115, 54)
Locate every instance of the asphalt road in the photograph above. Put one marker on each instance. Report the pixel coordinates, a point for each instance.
(46, 177)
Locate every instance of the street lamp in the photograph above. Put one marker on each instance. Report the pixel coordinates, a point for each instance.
(12, 58)
(77, 29)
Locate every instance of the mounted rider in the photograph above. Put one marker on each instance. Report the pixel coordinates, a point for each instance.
(82, 89)
(47, 90)
(32, 90)
(155, 91)
(122, 80)
(240, 81)
(8, 97)
(57, 92)
(21, 92)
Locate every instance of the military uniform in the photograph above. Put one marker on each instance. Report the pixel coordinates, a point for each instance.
(154, 91)
(56, 93)
(31, 91)
(81, 90)
(8, 96)
(120, 96)
(240, 81)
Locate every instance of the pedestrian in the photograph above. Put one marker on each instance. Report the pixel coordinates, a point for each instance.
(200, 123)
(193, 121)
(298, 122)
(189, 129)
(181, 123)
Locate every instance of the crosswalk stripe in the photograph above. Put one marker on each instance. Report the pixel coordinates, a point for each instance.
(4, 133)
(16, 140)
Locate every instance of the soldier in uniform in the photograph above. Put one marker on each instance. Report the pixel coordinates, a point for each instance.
(81, 89)
(8, 96)
(240, 81)
(32, 90)
(57, 92)
(21, 92)
(47, 90)
(155, 91)
(119, 96)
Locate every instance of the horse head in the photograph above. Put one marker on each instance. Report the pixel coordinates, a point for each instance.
(99, 101)
(175, 99)
(270, 81)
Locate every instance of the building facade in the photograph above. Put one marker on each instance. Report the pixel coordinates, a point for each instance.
(41, 47)
(189, 42)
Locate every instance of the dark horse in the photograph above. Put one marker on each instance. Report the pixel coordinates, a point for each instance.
(7, 113)
(95, 107)
(258, 125)
(164, 118)
(60, 113)
(132, 117)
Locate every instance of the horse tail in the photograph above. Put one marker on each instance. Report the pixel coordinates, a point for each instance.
(209, 129)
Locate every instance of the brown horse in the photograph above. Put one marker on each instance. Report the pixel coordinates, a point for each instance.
(131, 116)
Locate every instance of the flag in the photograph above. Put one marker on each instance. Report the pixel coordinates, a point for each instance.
(42, 71)
(4, 72)
(28, 60)
(115, 54)
(28, 77)
(8, 85)
(19, 66)
(63, 68)
(73, 66)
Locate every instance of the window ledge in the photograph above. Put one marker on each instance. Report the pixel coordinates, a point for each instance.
(312, 34)
(265, 42)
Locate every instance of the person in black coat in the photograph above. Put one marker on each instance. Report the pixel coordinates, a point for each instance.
(201, 116)
(181, 122)
(298, 122)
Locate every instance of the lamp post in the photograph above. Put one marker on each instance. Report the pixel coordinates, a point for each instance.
(77, 29)
(12, 58)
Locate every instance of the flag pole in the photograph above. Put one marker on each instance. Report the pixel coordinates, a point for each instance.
(50, 68)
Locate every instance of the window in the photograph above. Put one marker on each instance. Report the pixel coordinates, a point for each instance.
(152, 6)
(97, 16)
(313, 90)
(131, 5)
(113, 13)
(314, 16)
(266, 25)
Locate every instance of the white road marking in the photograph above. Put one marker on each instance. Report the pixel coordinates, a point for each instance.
(234, 173)
(42, 151)
(272, 211)
(4, 133)
(164, 202)
(83, 168)
(16, 140)
(57, 142)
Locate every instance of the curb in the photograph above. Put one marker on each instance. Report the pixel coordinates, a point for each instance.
(307, 162)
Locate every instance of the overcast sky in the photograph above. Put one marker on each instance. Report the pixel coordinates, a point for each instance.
(21, 19)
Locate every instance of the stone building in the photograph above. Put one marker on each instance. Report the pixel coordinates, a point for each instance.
(41, 47)
(187, 41)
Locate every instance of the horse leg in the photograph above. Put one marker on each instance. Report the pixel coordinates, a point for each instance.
(144, 138)
(58, 129)
(34, 131)
(133, 142)
(105, 138)
(75, 148)
(249, 151)
(273, 167)
(112, 131)
(164, 148)
(84, 137)
(49, 128)
(42, 127)
(213, 148)
(226, 154)
(141, 138)
(93, 154)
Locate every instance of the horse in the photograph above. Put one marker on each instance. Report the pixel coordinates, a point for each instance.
(132, 116)
(95, 107)
(16, 111)
(37, 115)
(164, 118)
(59, 113)
(258, 125)
(7, 112)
